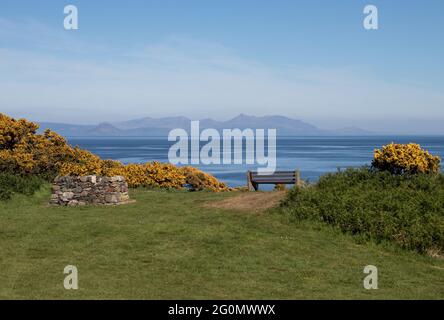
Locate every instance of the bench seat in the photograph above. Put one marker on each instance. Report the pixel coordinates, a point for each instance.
(254, 179)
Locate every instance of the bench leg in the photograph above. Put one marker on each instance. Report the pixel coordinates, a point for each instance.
(250, 182)
(298, 181)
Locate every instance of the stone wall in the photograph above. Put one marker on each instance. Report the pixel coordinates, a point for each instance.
(78, 191)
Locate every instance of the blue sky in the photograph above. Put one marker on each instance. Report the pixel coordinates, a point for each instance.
(311, 60)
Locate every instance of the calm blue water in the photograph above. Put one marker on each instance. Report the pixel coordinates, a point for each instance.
(313, 156)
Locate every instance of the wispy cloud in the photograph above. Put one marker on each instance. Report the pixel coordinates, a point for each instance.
(51, 75)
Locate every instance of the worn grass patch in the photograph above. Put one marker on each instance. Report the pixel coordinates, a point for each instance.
(253, 202)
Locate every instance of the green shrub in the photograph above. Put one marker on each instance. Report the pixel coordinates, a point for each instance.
(280, 187)
(406, 209)
(10, 184)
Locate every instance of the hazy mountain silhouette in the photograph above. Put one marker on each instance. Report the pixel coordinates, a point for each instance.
(161, 126)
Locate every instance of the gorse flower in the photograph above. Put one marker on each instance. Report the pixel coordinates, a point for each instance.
(200, 180)
(24, 152)
(405, 158)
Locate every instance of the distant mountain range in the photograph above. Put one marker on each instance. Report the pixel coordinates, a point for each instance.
(154, 127)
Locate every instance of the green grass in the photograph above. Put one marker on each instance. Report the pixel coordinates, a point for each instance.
(167, 246)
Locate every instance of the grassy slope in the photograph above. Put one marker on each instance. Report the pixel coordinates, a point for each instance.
(167, 246)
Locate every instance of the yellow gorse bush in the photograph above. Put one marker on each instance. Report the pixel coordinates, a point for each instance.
(84, 163)
(23, 151)
(165, 175)
(405, 158)
(200, 180)
(151, 174)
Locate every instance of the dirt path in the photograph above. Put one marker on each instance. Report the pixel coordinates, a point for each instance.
(249, 201)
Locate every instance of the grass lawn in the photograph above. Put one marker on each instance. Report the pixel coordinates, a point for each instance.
(168, 245)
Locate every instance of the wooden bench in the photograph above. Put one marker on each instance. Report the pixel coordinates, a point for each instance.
(278, 177)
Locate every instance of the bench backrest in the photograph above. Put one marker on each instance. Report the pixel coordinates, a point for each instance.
(254, 179)
(278, 177)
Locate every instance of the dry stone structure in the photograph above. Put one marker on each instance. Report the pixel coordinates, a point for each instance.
(78, 191)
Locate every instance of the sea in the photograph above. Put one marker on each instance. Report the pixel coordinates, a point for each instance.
(312, 156)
